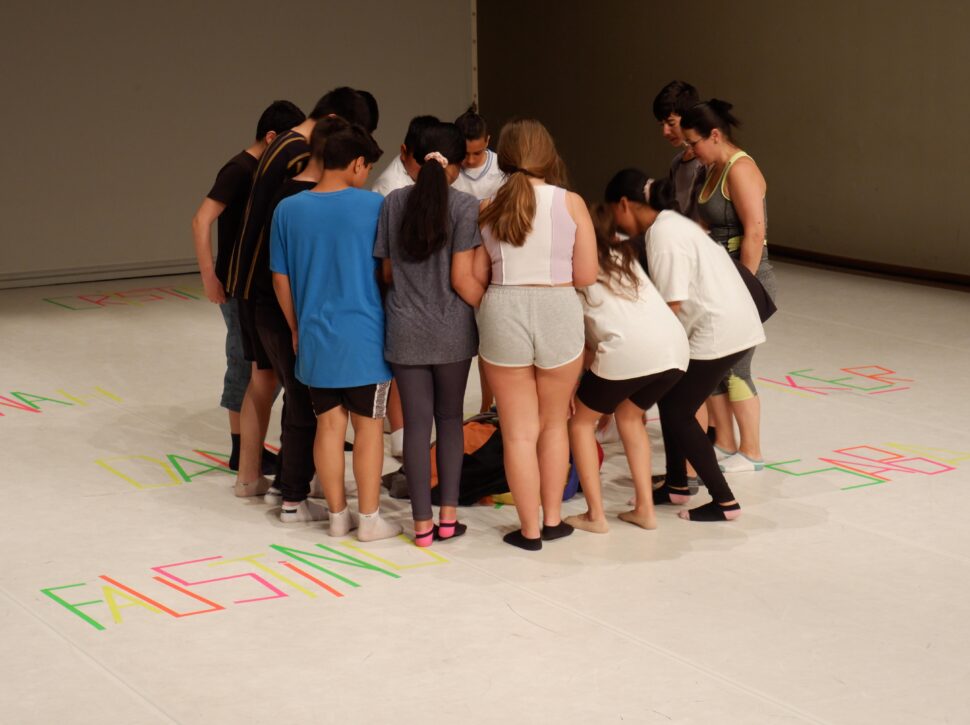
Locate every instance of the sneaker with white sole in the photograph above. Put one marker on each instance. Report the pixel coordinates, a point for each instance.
(740, 463)
(273, 496)
(342, 522)
(722, 454)
(247, 489)
(305, 512)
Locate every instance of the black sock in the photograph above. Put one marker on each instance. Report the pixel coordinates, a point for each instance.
(551, 533)
(517, 539)
(458, 527)
(234, 456)
(268, 464)
(348, 446)
(662, 495)
(712, 511)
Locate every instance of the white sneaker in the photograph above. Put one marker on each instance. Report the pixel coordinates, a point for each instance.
(246, 489)
(722, 454)
(342, 522)
(273, 496)
(305, 512)
(397, 444)
(740, 463)
(374, 527)
(608, 433)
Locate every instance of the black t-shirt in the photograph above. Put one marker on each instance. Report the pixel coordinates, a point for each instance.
(249, 275)
(231, 188)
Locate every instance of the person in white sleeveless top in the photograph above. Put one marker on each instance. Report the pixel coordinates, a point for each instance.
(637, 350)
(538, 246)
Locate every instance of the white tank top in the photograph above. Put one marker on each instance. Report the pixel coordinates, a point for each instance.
(546, 257)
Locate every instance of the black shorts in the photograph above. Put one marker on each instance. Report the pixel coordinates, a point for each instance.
(604, 395)
(369, 401)
(253, 349)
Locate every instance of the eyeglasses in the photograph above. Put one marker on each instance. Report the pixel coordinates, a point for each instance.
(692, 144)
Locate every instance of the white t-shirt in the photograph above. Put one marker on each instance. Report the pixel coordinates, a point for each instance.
(689, 267)
(632, 337)
(483, 182)
(392, 178)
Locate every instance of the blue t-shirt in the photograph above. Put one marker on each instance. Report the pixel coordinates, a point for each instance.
(324, 243)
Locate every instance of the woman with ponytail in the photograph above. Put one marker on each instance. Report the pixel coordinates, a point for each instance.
(697, 279)
(427, 235)
(538, 247)
(732, 205)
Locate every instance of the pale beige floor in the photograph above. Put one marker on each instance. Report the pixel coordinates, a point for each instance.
(824, 603)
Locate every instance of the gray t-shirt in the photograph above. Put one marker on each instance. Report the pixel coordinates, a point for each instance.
(427, 323)
(688, 178)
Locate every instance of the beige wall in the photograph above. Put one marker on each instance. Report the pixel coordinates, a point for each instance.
(857, 112)
(117, 115)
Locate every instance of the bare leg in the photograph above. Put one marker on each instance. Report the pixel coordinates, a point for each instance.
(253, 422)
(555, 389)
(748, 414)
(368, 460)
(328, 456)
(517, 398)
(720, 408)
(582, 441)
(233, 422)
(636, 445)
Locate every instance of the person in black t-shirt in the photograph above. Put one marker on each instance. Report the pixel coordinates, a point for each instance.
(225, 204)
(262, 321)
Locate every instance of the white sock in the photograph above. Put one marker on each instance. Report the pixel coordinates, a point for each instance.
(342, 522)
(374, 527)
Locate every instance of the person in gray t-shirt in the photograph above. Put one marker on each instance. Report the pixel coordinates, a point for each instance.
(426, 236)
(686, 170)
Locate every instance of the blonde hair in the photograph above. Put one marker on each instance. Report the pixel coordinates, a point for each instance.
(525, 149)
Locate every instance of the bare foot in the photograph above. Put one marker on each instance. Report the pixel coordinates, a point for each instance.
(643, 520)
(584, 522)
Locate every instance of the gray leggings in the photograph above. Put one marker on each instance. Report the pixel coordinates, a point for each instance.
(432, 392)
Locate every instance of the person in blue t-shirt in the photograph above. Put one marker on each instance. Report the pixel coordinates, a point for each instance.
(325, 277)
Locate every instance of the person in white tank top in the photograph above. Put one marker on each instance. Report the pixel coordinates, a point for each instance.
(538, 246)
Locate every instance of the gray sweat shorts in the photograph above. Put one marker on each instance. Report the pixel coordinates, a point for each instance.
(520, 326)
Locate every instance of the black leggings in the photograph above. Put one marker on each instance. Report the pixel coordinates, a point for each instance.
(684, 439)
(432, 392)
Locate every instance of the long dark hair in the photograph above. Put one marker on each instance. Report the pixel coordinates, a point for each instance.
(424, 227)
(708, 115)
(617, 260)
(629, 184)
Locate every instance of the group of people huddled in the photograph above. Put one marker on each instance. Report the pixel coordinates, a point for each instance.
(575, 312)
